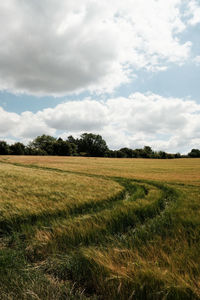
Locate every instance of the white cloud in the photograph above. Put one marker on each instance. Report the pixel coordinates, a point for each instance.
(26, 125)
(193, 12)
(86, 115)
(56, 47)
(197, 60)
(7, 121)
(170, 124)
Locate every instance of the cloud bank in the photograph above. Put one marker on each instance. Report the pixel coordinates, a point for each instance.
(54, 47)
(170, 124)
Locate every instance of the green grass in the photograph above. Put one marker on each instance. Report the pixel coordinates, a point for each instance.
(79, 228)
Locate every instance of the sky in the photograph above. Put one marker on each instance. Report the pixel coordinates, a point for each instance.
(127, 70)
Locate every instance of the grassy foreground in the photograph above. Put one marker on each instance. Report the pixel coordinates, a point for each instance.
(99, 228)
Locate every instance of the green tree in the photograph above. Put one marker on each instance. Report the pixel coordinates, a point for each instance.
(17, 149)
(44, 143)
(72, 140)
(62, 148)
(127, 151)
(4, 148)
(162, 154)
(92, 145)
(194, 153)
(74, 144)
(120, 154)
(147, 152)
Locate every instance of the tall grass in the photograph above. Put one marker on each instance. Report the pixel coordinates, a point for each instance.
(175, 170)
(81, 228)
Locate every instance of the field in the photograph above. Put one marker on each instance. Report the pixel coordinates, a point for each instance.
(99, 228)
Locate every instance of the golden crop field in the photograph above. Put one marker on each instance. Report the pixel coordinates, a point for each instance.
(99, 228)
(175, 170)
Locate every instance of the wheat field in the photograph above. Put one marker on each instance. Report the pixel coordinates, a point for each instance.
(99, 228)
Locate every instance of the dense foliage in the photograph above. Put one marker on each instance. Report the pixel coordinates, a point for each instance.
(88, 144)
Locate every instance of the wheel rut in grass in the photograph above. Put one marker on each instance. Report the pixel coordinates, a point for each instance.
(138, 202)
(48, 237)
(137, 223)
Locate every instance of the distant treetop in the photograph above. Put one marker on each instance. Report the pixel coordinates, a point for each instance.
(89, 144)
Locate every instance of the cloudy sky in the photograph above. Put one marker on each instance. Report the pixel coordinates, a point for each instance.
(128, 70)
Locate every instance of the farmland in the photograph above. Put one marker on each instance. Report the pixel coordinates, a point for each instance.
(99, 228)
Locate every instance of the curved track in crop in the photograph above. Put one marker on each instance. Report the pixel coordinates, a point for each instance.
(59, 240)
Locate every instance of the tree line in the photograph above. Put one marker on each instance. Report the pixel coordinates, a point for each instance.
(88, 144)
